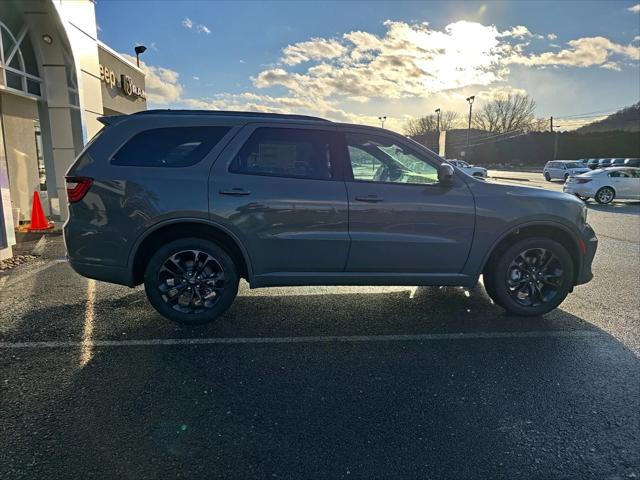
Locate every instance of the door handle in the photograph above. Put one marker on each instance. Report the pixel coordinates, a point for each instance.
(370, 199)
(235, 191)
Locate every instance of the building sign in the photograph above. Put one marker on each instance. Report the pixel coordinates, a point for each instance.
(123, 82)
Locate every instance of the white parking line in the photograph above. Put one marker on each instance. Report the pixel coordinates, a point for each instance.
(87, 334)
(21, 277)
(319, 339)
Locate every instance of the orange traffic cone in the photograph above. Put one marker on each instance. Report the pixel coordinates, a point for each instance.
(38, 220)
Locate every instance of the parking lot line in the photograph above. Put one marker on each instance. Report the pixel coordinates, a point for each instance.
(313, 339)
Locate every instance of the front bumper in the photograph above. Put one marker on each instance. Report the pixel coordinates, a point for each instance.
(588, 244)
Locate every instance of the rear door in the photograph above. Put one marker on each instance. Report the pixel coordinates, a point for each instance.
(279, 190)
(400, 218)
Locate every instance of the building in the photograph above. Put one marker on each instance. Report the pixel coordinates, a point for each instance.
(56, 80)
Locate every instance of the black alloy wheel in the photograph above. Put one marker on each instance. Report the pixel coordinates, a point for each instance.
(534, 277)
(531, 277)
(191, 281)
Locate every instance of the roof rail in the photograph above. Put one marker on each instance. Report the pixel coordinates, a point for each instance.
(231, 113)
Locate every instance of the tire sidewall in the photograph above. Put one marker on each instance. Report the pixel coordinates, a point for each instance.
(499, 273)
(597, 196)
(163, 253)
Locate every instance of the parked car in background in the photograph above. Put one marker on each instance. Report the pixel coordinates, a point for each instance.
(617, 162)
(604, 162)
(620, 183)
(592, 163)
(632, 162)
(469, 169)
(563, 169)
(189, 202)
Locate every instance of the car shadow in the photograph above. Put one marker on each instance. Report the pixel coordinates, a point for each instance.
(625, 207)
(469, 408)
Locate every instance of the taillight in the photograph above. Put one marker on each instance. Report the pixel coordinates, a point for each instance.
(583, 180)
(77, 188)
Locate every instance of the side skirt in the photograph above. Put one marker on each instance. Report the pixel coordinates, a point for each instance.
(300, 279)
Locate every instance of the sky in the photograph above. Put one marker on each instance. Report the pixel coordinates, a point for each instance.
(356, 61)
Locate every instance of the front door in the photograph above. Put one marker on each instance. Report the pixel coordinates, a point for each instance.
(400, 218)
(276, 188)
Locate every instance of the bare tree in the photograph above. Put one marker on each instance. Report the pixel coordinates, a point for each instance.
(508, 113)
(429, 123)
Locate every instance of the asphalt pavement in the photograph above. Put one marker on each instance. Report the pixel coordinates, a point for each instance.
(324, 382)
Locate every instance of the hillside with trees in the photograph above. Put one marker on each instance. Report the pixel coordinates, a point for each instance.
(627, 119)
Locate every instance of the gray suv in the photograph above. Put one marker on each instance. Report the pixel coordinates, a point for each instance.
(189, 202)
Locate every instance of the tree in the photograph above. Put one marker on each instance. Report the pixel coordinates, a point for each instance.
(429, 123)
(508, 113)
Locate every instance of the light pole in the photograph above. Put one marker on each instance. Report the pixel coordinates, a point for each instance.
(470, 100)
(438, 113)
(139, 49)
(382, 119)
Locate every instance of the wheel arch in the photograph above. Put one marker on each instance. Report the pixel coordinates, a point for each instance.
(554, 231)
(165, 232)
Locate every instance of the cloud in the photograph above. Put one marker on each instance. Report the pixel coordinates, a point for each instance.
(552, 36)
(314, 49)
(161, 84)
(198, 27)
(635, 8)
(408, 68)
(582, 52)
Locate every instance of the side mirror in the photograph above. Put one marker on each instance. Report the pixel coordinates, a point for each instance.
(445, 174)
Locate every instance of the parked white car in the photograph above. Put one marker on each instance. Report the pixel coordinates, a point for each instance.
(563, 169)
(469, 169)
(605, 185)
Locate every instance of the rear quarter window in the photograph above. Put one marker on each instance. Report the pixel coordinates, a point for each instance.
(169, 147)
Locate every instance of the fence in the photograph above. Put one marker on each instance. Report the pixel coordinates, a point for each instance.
(534, 149)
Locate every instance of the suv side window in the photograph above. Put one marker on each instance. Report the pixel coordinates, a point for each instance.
(169, 147)
(376, 158)
(285, 152)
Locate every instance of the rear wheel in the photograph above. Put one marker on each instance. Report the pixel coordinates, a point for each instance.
(605, 195)
(532, 277)
(191, 281)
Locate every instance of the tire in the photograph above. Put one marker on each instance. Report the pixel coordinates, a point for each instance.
(566, 177)
(584, 199)
(478, 175)
(547, 177)
(605, 195)
(209, 294)
(518, 300)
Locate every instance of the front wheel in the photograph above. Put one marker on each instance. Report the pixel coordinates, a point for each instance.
(532, 277)
(605, 195)
(547, 177)
(584, 199)
(191, 281)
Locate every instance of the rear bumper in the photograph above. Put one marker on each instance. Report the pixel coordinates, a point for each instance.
(111, 274)
(588, 247)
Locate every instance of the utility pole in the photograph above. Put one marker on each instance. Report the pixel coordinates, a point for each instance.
(470, 100)
(382, 119)
(551, 120)
(438, 113)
